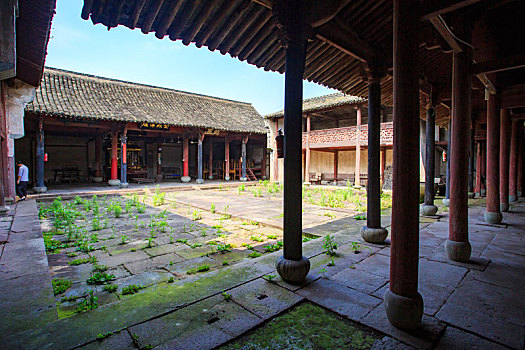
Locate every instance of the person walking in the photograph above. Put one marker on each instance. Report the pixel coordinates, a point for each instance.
(23, 179)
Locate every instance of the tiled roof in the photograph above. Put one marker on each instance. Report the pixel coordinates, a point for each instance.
(323, 102)
(75, 95)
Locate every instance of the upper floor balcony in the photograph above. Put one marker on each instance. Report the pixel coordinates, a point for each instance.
(346, 137)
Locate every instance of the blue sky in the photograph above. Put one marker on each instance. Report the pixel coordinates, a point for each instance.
(130, 55)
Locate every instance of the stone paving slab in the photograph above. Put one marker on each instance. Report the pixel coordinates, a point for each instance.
(344, 301)
(264, 299)
(456, 339)
(424, 338)
(121, 340)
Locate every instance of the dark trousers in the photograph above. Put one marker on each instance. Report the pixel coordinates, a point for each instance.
(21, 189)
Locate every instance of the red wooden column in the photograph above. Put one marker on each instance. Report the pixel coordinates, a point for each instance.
(114, 181)
(308, 153)
(403, 303)
(227, 158)
(457, 246)
(478, 170)
(185, 159)
(521, 150)
(210, 160)
(483, 190)
(383, 165)
(292, 266)
(336, 165)
(492, 213)
(263, 160)
(504, 144)
(123, 157)
(357, 181)
(513, 171)
(98, 162)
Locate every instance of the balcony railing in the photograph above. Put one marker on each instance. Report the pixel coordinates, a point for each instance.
(346, 137)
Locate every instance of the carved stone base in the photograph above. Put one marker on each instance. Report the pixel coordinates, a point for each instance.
(124, 185)
(446, 202)
(483, 192)
(374, 235)
(243, 179)
(98, 179)
(185, 179)
(513, 198)
(458, 251)
(210, 177)
(293, 271)
(402, 312)
(427, 210)
(504, 207)
(40, 189)
(199, 181)
(3, 210)
(115, 182)
(493, 217)
(226, 178)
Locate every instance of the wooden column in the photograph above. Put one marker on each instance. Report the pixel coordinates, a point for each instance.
(520, 190)
(357, 181)
(483, 190)
(457, 246)
(39, 168)
(199, 158)
(98, 160)
(428, 208)
(403, 303)
(185, 159)
(446, 200)
(244, 159)
(492, 213)
(471, 163)
(275, 158)
(336, 165)
(383, 165)
(478, 170)
(263, 161)
(227, 158)
(373, 232)
(307, 155)
(293, 266)
(123, 157)
(513, 170)
(159, 161)
(504, 143)
(210, 160)
(114, 181)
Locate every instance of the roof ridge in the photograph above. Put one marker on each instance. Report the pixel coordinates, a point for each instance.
(47, 68)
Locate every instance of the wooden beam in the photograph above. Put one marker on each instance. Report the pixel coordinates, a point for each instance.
(436, 8)
(513, 96)
(441, 28)
(345, 40)
(499, 65)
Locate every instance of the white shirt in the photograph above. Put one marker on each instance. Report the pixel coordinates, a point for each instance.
(23, 173)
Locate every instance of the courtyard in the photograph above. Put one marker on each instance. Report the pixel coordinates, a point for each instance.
(194, 268)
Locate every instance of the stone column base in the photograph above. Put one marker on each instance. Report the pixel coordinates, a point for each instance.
(513, 198)
(483, 192)
(158, 178)
(9, 200)
(427, 210)
(210, 177)
(226, 178)
(124, 185)
(306, 183)
(374, 235)
(3, 210)
(519, 194)
(243, 179)
(403, 312)
(478, 195)
(493, 217)
(446, 202)
(185, 179)
(504, 207)
(98, 179)
(293, 271)
(470, 195)
(199, 181)
(458, 251)
(115, 182)
(40, 189)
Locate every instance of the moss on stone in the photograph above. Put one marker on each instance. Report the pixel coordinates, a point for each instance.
(307, 326)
